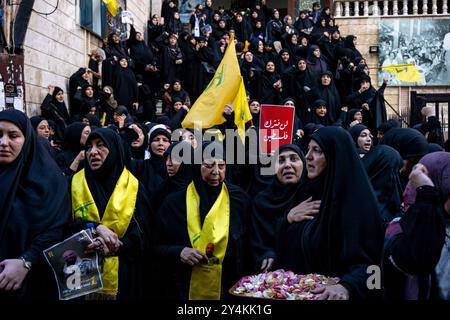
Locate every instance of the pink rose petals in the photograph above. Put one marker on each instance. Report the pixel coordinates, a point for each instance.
(281, 285)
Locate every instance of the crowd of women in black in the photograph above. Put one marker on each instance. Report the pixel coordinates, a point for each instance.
(340, 201)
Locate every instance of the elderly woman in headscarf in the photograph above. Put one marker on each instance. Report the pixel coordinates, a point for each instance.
(32, 213)
(54, 108)
(274, 203)
(416, 253)
(345, 236)
(108, 195)
(204, 231)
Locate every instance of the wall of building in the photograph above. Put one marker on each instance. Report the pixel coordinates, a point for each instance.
(56, 46)
(366, 29)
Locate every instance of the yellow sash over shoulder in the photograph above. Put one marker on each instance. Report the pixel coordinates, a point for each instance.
(206, 278)
(117, 216)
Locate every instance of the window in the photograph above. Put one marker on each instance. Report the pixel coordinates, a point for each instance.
(93, 16)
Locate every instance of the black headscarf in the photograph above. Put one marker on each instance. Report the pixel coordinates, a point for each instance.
(125, 85)
(35, 121)
(61, 106)
(158, 163)
(94, 121)
(308, 130)
(72, 137)
(270, 205)
(347, 234)
(314, 118)
(140, 52)
(180, 180)
(208, 194)
(348, 43)
(184, 174)
(355, 131)
(331, 96)
(139, 153)
(33, 196)
(277, 198)
(102, 181)
(351, 116)
(408, 142)
(383, 165)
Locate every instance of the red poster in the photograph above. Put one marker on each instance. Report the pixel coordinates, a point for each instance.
(276, 125)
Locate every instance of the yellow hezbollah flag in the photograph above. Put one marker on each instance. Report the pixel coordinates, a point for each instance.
(112, 6)
(226, 87)
(241, 110)
(405, 72)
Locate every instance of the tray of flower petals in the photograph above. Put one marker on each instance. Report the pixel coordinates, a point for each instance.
(281, 285)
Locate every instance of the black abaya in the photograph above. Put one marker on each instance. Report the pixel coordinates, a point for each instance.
(269, 206)
(34, 206)
(347, 234)
(137, 238)
(383, 165)
(172, 224)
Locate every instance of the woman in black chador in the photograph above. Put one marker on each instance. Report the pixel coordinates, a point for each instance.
(273, 203)
(182, 261)
(121, 213)
(34, 209)
(346, 235)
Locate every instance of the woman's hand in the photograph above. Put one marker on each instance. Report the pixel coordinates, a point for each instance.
(140, 140)
(332, 292)
(76, 162)
(121, 120)
(419, 176)
(51, 89)
(267, 264)
(12, 274)
(192, 256)
(110, 238)
(354, 123)
(228, 110)
(304, 211)
(98, 245)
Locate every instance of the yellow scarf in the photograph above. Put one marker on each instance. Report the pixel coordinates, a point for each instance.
(206, 278)
(117, 217)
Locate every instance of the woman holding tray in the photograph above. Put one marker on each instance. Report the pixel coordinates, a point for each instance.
(346, 236)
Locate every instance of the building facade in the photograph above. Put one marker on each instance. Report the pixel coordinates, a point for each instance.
(57, 40)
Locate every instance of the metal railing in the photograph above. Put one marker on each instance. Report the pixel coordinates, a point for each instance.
(395, 8)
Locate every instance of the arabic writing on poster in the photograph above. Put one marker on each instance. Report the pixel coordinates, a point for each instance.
(276, 127)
